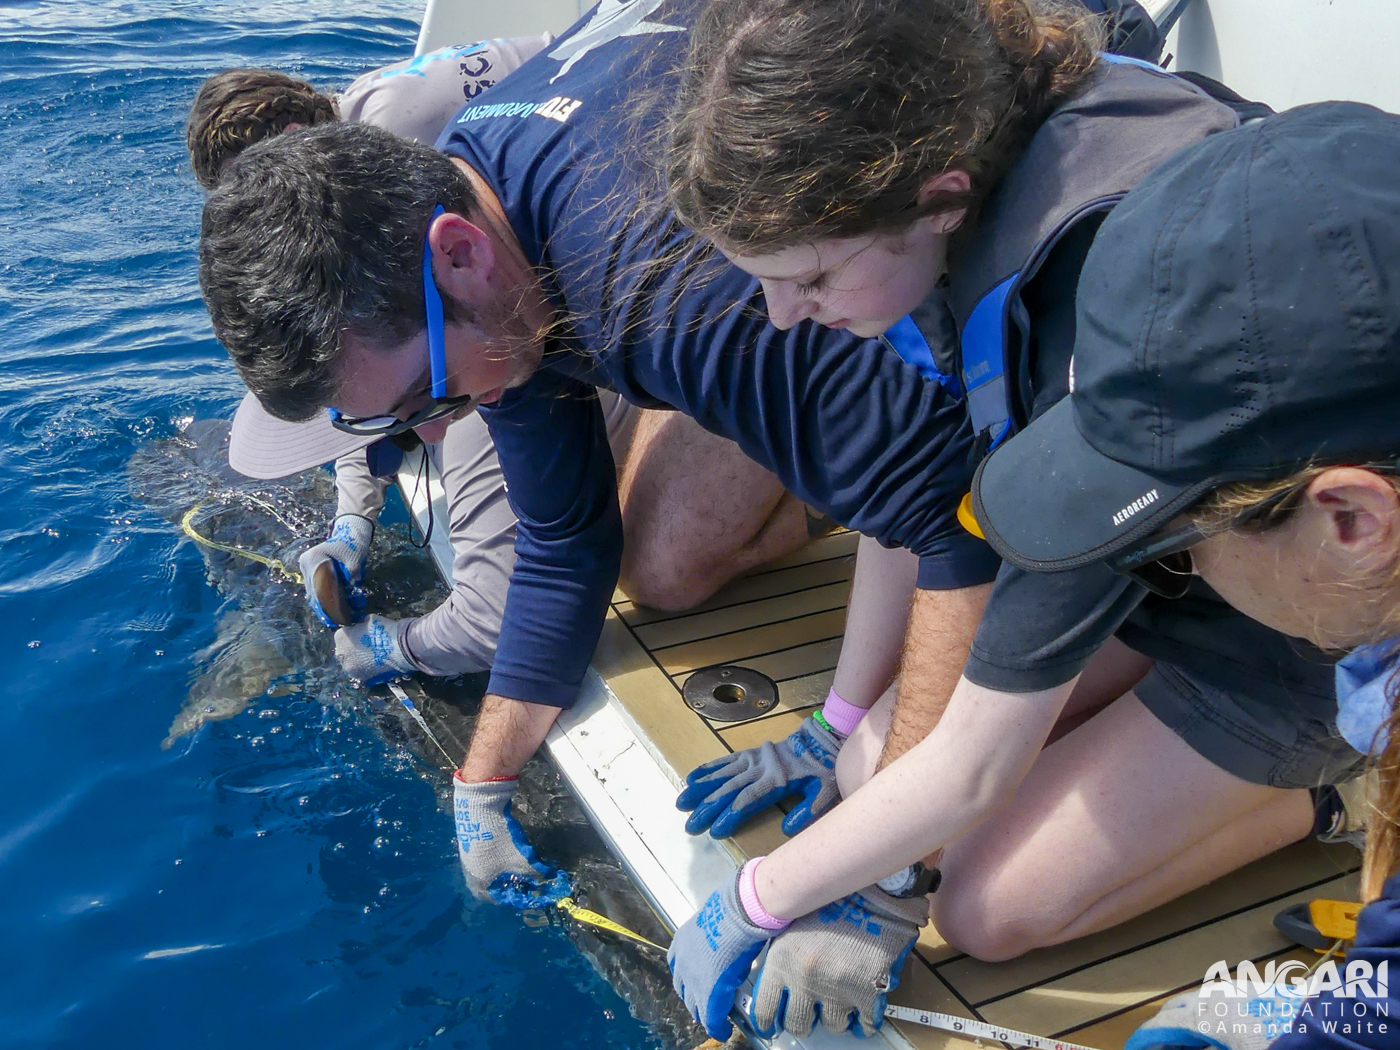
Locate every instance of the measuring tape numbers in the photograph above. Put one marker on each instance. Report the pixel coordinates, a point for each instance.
(964, 1026)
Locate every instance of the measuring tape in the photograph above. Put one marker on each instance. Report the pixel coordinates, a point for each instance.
(963, 1026)
(412, 709)
(591, 918)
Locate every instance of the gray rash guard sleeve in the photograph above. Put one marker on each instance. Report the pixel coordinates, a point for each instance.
(459, 636)
(358, 491)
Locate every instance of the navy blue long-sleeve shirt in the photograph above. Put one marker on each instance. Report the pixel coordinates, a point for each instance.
(651, 312)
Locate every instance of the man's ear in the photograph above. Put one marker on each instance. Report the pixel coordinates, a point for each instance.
(1362, 512)
(464, 258)
(953, 181)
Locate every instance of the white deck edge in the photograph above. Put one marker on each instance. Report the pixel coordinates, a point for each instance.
(626, 789)
(447, 23)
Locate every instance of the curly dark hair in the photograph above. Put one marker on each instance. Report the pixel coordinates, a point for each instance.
(311, 235)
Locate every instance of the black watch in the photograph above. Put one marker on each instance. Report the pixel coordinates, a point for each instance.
(913, 881)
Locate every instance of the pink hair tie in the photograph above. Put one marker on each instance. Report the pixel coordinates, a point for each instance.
(748, 900)
(840, 715)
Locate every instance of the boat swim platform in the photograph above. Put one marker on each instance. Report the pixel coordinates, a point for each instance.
(626, 746)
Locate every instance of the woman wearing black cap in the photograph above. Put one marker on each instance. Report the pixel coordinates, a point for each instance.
(1194, 769)
(1244, 428)
(1314, 554)
(936, 171)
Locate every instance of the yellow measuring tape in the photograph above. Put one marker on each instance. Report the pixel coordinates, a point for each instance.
(567, 905)
(602, 922)
(228, 548)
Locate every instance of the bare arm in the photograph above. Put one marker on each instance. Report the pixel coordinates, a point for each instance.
(941, 629)
(507, 733)
(877, 619)
(963, 772)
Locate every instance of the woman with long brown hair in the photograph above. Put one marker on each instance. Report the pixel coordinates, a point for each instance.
(937, 171)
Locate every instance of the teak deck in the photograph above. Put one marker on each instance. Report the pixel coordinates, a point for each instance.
(786, 621)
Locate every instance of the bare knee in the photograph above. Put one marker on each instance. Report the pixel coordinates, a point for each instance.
(696, 512)
(659, 568)
(976, 926)
(648, 581)
(988, 917)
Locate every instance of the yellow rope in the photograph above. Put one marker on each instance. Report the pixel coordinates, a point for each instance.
(261, 559)
(567, 905)
(602, 922)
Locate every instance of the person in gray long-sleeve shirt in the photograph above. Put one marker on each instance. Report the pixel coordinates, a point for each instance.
(459, 636)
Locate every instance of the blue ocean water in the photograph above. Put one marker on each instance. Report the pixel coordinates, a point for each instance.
(286, 876)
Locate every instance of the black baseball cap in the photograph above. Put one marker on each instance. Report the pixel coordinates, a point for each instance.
(1238, 317)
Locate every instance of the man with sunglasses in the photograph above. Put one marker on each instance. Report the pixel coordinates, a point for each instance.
(548, 275)
(413, 99)
(679, 550)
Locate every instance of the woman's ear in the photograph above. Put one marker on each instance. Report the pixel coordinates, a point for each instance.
(951, 182)
(464, 258)
(1362, 514)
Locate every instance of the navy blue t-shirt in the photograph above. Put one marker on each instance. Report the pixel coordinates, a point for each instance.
(650, 311)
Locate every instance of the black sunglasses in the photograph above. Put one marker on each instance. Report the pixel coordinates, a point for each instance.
(389, 426)
(441, 405)
(1162, 563)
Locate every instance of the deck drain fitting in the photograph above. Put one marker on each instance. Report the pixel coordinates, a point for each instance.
(730, 694)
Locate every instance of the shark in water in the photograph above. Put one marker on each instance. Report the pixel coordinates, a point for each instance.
(266, 635)
(268, 642)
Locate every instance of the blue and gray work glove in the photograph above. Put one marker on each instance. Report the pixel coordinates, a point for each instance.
(710, 956)
(836, 964)
(374, 651)
(724, 794)
(1186, 1020)
(332, 571)
(499, 863)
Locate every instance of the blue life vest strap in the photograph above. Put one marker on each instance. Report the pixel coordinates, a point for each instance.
(905, 339)
(1129, 60)
(984, 363)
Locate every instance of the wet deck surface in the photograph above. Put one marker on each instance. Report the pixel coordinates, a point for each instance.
(786, 621)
